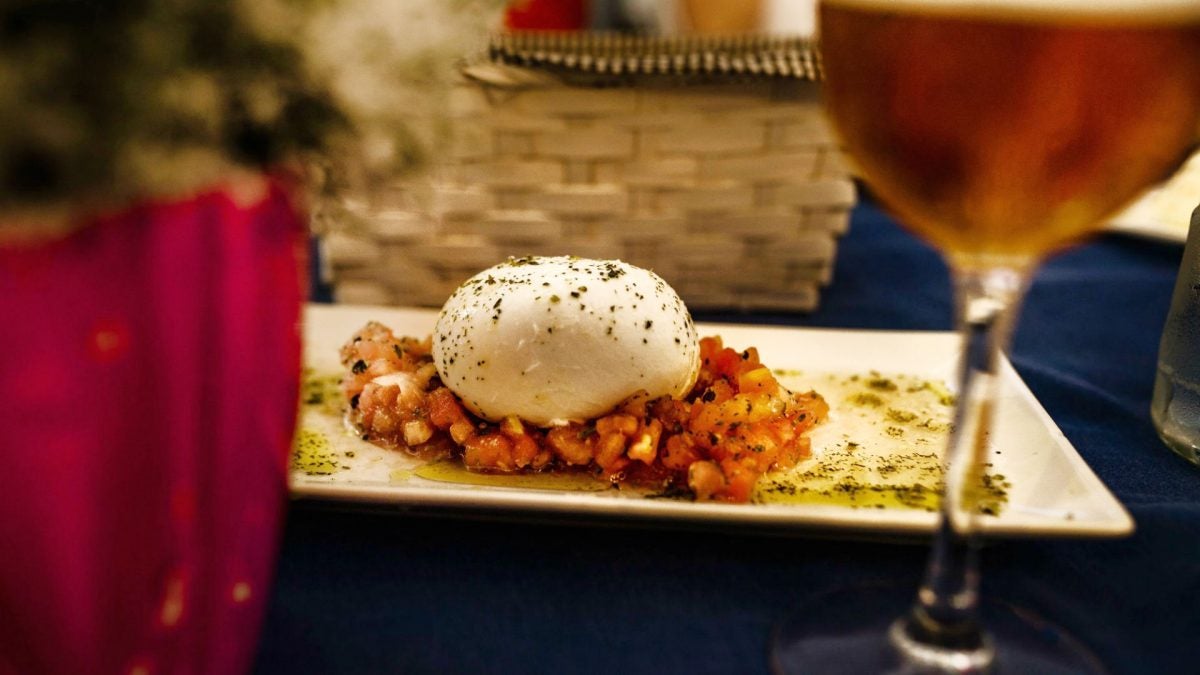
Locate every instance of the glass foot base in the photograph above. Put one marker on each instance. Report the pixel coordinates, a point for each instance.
(853, 631)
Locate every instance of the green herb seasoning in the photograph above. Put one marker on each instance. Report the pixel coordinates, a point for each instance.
(312, 454)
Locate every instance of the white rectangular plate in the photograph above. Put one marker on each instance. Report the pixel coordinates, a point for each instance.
(1052, 493)
(1164, 212)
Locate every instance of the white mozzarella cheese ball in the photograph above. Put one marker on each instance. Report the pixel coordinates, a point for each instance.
(553, 340)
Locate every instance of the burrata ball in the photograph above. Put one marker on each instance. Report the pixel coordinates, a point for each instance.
(556, 340)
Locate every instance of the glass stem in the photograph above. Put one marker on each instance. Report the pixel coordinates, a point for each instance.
(945, 615)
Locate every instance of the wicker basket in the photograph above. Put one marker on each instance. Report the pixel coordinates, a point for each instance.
(709, 162)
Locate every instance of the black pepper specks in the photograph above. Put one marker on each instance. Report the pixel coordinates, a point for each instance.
(520, 289)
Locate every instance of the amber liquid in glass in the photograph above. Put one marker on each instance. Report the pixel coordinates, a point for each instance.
(1001, 135)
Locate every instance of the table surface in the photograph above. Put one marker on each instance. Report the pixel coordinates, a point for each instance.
(358, 592)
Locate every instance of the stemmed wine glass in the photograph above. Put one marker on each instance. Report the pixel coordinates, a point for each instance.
(999, 131)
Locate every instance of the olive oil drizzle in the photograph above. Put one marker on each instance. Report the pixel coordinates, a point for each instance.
(887, 458)
(452, 471)
(880, 449)
(905, 481)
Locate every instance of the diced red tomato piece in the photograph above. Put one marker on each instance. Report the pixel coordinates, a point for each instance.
(444, 408)
(489, 451)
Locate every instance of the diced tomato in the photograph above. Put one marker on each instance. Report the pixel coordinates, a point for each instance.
(740, 481)
(757, 381)
(645, 447)
(569, 446)
(525, 451)
(626, 425)
(489, 451)
(444, 408)
(735, 424)
(461, 430)
(679, 452)
(609, 449)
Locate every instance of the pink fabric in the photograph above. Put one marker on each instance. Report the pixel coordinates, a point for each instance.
(149, 370)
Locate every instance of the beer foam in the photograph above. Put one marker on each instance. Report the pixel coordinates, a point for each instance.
(1106, 11)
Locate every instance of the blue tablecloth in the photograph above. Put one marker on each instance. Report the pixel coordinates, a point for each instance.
(365, 593)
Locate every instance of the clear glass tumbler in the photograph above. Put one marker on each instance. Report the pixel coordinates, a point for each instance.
(1175, 407)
